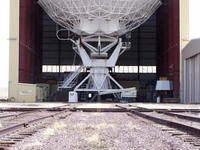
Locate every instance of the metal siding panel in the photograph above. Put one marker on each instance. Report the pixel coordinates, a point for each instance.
(189, 80)
(198, 79)
(185, 80)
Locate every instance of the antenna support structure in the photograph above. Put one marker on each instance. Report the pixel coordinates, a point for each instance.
(99, 25)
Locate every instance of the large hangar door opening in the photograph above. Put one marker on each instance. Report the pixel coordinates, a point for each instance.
(136, 67)
(154, 51)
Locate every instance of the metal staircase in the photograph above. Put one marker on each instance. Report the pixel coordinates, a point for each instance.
(71, 80)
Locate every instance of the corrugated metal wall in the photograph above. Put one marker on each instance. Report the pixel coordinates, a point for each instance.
(192, 79)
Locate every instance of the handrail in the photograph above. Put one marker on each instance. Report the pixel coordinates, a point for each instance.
(70, 78)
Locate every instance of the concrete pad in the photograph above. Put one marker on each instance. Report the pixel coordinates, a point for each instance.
(5, 106)
(96, 105)
(167, 106)
(30, 105)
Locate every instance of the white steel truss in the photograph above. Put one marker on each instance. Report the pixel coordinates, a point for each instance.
(113, 17)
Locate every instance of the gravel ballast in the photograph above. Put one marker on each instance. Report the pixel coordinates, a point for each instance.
(106, 131)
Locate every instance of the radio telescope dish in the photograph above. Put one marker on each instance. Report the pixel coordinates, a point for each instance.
(99, 24)
(100, 17)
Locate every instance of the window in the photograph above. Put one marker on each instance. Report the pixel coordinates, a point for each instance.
(117, 69)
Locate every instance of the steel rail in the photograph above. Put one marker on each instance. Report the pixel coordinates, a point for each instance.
(8, 116)
(189, 118)
(172, 114)
(16, 109)
(57, 108)
(17, 115)
(26, 124)
(172, 124)
(168, 110)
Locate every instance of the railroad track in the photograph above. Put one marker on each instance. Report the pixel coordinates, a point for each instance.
(21, 114)
(184, 127)
(16, 127)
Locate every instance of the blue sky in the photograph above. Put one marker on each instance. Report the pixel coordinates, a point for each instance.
(4, 34)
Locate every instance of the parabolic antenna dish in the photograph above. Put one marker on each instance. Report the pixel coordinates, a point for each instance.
(100, 17)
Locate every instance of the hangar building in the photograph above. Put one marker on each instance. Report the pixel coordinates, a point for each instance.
(38, 60)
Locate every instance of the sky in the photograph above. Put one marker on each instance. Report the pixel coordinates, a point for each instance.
(194, 19)
(4, 48)
(4, 35)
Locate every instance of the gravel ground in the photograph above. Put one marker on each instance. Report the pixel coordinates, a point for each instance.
(105, 131)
